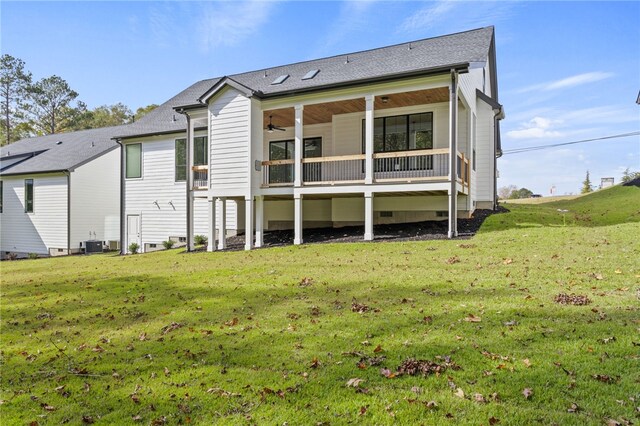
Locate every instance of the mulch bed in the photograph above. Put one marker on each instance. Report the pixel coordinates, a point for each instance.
(419, 231)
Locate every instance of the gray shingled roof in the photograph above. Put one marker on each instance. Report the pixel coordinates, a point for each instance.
(164, 119)
(411, 57)
(416, 56)
(76, 149)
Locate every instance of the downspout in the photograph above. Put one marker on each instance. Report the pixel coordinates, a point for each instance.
(453, 156)
(498, 114)
(189, 182)
(123, 249)
(68, 174)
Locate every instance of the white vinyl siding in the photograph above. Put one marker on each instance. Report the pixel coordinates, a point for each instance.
(95, 200)
(164, 220)
(46, 227)
(484, 179)
(230, 129)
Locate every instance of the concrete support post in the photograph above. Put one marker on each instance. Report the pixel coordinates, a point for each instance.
(453, 156)
(211, 240)
(368, 216)
(298, 146)
(222, 231)
(248, 223)
(368, 139)
(297, 219)
(259, 220)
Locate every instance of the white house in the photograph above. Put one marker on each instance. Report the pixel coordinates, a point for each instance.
(398, 134)
(59, 191)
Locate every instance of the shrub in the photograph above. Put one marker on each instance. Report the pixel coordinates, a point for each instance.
(200, 240)
(133, 248)
(12, 256)
(33, 255)
(168, 244)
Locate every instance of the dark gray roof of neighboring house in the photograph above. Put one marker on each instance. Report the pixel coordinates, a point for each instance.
(49, 155)
(422, 56)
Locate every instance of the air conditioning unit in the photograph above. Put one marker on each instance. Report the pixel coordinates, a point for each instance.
(93, 246)
(113, 245)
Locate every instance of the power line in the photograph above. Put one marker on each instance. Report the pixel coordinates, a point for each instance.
(539, 147)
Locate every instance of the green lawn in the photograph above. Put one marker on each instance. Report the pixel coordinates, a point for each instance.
(269, 336)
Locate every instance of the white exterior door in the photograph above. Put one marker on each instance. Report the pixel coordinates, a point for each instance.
(133, 230)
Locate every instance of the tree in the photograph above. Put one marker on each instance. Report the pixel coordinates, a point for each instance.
(14, 84)
(142, 111)
(628, 176)
(102, 116)
(506, 191)
(521, 193)
(586, 185)
(50, 109)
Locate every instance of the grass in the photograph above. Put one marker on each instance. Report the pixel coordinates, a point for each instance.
(253, 342)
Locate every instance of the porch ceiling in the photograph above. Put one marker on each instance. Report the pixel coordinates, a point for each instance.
(322, 113)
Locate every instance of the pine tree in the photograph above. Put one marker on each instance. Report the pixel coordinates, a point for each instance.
(14, 84)
(586, 185)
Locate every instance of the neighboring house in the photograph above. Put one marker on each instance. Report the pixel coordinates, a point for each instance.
(403, 133)
(59, 191)
(607, 182)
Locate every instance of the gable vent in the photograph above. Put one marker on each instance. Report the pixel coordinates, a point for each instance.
(310, 74)
(280, 79)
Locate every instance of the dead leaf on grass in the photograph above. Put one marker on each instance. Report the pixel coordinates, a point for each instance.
(472, 318)
(171, 327)
(572, 299)
(354, 383)
(452, 260)
(459, 393)
(527, 392)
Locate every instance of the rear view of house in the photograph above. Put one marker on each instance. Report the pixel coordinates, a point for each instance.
(403, 133)
(58, 192)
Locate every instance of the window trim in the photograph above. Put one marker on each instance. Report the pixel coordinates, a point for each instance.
(126, 162)
(26, 207)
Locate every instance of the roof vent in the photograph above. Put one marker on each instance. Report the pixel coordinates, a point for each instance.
(59, 143)
(310, 74)
(280, 79)
(347, 61)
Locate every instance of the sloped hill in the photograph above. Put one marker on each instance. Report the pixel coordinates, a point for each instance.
(611, 206)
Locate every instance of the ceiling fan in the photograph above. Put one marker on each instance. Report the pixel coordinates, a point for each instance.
(271, 127)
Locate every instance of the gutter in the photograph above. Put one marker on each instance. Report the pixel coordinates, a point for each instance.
(123, 249)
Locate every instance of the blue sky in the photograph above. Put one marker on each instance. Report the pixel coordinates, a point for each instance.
(567, 70)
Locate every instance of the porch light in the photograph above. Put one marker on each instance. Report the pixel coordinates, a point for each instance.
(384, 99)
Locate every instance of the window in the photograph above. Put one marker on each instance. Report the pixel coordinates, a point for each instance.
(28, 195)
(200, 156)
(284, 150)
(181, 160)
(133, 161)
(473, 142)
(401, 132)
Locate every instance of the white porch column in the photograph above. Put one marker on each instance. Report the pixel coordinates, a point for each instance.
(222, 232)
(453, 156)
(297, 219)
(211, 240)
(368, 216)
(189, 184)
(297, 168)
(248, 223)
(368, 139)
(259, 220)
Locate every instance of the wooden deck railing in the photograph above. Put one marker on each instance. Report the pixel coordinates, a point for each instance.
(402, 166)
(200, 177)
